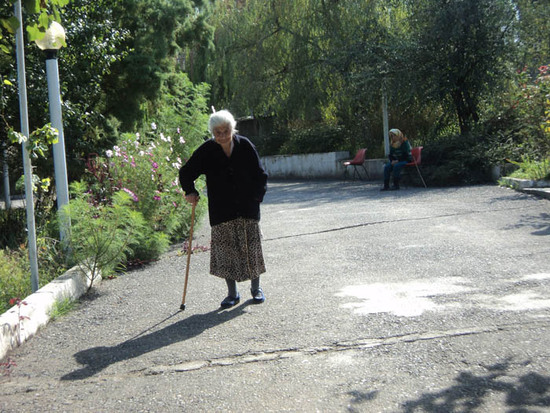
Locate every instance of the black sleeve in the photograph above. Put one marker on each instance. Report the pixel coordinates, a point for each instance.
(260, 174)
(192, 169)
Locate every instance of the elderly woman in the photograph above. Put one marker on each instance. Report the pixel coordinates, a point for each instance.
(399, 156)
(236, 183)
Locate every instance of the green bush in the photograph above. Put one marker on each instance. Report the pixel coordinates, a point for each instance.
(517, 123)
(269, 145)
(101, 236)
(146, 167)
(534, 170)
(318, 139)
(14, 277)
(14, 224)
(456, 160)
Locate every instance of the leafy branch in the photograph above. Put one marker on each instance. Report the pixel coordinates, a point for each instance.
(38, 141)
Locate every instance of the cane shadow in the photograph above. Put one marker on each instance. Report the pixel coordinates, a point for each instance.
(96, 359)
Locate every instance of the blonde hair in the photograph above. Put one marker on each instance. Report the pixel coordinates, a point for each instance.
(397, 132)
(396, 137)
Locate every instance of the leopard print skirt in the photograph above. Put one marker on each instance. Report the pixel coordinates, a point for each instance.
(236, 250)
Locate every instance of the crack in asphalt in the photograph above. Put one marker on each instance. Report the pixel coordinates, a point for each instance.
(366, 224)
(20, 385)
(359, 344)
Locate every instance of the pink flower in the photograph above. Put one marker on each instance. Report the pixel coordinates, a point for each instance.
(134, 196)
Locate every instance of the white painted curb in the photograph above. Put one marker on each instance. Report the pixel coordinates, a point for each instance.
(19, 324)
(520, 184)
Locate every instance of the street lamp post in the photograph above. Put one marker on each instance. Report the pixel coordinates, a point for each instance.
(53, 40)
(27, 166)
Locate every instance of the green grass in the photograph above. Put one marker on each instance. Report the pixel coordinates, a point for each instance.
(14, 279)
(533, 170)
(61, 308)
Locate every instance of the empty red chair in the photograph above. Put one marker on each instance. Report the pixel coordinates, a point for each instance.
(357, 161)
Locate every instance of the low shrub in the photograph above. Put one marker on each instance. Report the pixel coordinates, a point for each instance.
(456, 160)
(317, 139)
(102, 235)
(14, 277)
(145, 166)
(14, 224)
(531, 169)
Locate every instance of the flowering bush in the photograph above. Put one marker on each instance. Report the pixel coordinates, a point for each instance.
(145, 166)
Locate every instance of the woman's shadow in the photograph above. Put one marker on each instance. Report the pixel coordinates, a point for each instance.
(98, 358)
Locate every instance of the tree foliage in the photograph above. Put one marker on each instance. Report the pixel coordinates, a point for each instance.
(330, 62)
(460, 50)
(158, 34)
(534, 32)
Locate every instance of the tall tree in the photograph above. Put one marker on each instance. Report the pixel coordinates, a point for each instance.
(534, 32)
(461, 50)
(158, 32)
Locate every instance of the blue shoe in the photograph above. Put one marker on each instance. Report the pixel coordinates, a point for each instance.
(230, 301)
(258, 296)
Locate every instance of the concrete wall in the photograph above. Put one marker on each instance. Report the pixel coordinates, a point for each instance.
(317, 166)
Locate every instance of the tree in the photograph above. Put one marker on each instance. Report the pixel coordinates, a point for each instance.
(534, 27)
(308, 62)
(460, 51)
(158, 33)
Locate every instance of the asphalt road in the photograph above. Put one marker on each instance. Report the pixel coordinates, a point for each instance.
(419, 300)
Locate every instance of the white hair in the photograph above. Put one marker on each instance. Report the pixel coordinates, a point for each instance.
(222, 117)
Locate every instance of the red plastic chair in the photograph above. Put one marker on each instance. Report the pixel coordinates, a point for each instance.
(417, 160)
(357, 161)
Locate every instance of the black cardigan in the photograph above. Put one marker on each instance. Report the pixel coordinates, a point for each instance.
(235, 185)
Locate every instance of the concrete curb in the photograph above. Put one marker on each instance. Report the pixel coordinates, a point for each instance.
(20, 323)
(539, 188)
(542, 192)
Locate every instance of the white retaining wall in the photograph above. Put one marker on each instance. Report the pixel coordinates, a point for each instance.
(19, 324)
(317, 165)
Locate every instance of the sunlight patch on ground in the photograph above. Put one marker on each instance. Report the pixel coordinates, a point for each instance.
(341, 359)
(406, 299)
(528, 300)
(410, 299)
(541, 276)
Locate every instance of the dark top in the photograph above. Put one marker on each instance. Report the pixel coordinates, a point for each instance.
(402, 153)
(235, 185)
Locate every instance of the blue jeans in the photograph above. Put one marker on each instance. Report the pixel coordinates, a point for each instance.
(395, 169)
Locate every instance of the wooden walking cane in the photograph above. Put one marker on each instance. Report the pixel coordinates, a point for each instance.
(182, 306)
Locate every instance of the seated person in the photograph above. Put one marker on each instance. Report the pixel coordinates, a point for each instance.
(399, 156)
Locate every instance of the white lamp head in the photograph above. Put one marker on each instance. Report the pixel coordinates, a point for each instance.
(54, 38)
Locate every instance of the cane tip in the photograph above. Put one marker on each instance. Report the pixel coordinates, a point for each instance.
(182, 307)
